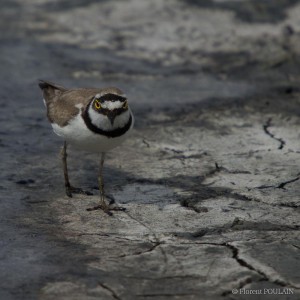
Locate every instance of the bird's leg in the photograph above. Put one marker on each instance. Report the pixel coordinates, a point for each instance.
(101, 184)
(65, 169)
(103, 205)
(69, 189)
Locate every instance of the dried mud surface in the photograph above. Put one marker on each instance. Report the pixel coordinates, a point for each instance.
(210, 175)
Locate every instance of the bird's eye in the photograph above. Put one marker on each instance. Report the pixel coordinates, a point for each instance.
(97, 104)
(125, 105)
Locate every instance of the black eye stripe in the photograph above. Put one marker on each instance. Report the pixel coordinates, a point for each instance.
(116, 111)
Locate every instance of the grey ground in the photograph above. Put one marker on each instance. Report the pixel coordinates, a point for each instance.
(210, 177)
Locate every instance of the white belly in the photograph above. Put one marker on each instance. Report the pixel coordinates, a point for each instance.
(77, 134)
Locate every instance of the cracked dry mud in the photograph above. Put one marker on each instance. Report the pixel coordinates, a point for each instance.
(210, 176)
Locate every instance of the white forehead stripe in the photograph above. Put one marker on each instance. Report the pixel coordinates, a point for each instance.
(112, 104)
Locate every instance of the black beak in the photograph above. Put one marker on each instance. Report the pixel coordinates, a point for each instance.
(111, 117)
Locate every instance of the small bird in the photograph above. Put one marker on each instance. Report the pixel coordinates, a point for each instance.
(91, 119)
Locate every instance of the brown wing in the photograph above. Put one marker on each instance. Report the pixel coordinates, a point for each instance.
(63, 104)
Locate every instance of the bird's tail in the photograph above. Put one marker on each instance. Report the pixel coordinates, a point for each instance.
(43, 84)
(50, 90)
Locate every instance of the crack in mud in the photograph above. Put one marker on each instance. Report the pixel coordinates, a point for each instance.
(158, 243)
(283, 184)
(236, 225)
(298, 247)
(242, 262)
(248, 198)
(278, 186)
(186, 204)
(266, 127)
(219, 168)
(291, 205)
(112, 292)
(155, 245)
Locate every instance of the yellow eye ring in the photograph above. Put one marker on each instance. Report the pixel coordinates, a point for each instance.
(97, 104)
(125, 105)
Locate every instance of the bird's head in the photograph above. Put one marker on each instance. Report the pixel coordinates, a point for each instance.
(110, 103)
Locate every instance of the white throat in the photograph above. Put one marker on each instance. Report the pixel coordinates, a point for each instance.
(101, 121)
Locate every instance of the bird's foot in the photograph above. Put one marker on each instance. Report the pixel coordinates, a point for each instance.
(107, 208)
(73, 190)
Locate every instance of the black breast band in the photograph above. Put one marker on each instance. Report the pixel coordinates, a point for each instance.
(110, 134)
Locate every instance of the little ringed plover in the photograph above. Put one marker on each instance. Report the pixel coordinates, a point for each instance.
(91, 119)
